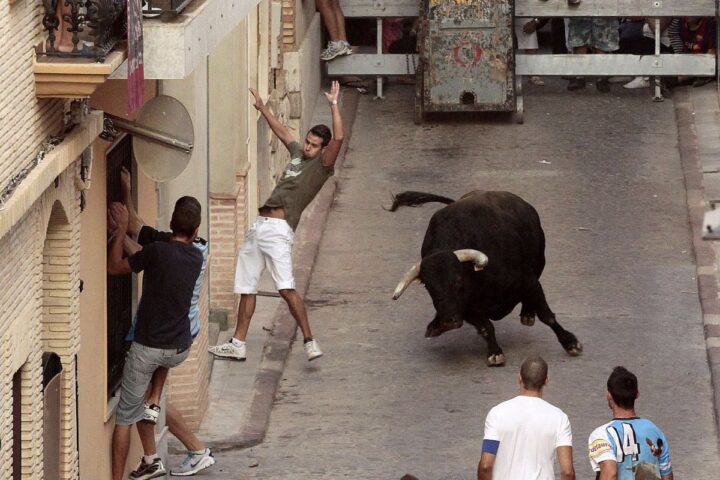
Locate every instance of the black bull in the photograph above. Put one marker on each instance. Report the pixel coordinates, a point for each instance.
(482, 255)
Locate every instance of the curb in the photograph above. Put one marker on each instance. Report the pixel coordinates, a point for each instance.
(705, 256)
(277, 346)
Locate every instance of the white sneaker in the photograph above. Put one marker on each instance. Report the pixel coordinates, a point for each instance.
(335, 49)
(312, 350)
(151, 413)
(193, 463)
(638, 82)
(229, 350)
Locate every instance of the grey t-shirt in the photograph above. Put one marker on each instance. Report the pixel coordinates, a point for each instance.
(300, 182)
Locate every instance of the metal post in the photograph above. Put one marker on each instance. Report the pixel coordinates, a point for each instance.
(150, 133)
(658, 88)
(379, 36)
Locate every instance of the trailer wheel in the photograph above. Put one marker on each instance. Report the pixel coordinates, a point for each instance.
(519, 107)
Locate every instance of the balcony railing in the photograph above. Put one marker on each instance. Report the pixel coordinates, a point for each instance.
(83, 28)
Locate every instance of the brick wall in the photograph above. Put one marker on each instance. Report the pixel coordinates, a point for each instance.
(189, 382)
(288, 24)
(60, 323)
(20, 111)
(228, 221)
(33, 319)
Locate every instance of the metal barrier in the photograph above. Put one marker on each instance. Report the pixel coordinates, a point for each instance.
(380, 64)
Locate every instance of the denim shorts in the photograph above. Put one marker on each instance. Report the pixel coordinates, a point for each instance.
(140, 364)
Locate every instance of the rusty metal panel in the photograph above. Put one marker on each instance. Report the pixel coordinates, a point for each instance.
(466, 51)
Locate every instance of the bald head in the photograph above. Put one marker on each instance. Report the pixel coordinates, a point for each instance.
(533, 373)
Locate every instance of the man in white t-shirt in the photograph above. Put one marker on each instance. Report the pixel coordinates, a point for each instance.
(523, 435)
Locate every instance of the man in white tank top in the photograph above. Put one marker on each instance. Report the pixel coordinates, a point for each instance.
(525, 434)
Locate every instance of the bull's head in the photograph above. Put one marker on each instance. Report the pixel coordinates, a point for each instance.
(442, 274)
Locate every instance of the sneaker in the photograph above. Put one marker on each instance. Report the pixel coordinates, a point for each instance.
(537, 81)
(638, 82)
(151, 413)
(312, 350)
(145, 471)
(229, 350)
(150, 12)
(335, 49)
(602, 85)
(193, 463)
(576, 84)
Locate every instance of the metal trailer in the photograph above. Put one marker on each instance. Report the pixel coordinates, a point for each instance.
(466, 58)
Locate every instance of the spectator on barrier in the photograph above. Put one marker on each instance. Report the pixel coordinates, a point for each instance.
(334, 22)
(527, 41)
(694, 35)
(637, 37)
(592, 35)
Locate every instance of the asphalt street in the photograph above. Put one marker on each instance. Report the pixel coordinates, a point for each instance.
(604, 173)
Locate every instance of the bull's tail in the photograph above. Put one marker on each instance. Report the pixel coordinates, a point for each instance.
(413, 199)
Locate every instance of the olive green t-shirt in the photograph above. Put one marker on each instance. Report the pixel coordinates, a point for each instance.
(300, 182)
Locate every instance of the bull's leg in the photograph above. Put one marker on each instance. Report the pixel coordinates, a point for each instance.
(485, 328)
(527, 314)
(568, 341)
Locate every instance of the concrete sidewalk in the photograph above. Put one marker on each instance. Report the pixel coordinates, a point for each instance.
(242, 393)
(698, 118)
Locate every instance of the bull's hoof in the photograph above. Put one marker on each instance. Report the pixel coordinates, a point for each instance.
(497, 360)
(528, 320)
(574, 349)
(435, 329)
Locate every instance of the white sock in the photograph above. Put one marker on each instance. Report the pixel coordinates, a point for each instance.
(150, 458)
(236, 342)
(198, 452)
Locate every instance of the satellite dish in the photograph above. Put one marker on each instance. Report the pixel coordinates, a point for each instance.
(162, 137)
(165, 155)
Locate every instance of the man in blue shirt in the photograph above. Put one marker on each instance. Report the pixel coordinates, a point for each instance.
(628, 447)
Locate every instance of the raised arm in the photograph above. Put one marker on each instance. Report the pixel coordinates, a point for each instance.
(278, 128)
(116, 264)
(134, 221)
(333, 148)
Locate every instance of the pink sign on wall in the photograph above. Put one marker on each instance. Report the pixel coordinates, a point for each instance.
(136, 73)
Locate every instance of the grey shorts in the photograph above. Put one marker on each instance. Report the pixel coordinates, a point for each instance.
(140, 364)
(596, 32)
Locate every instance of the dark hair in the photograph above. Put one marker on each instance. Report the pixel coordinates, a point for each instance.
(322, 131)
(623, 387)
(186, 216)
(533, 372)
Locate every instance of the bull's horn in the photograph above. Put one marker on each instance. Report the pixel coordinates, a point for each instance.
(411, 276)
(469, 255)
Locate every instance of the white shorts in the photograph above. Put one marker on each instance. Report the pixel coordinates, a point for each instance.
(525, 41)
(268, 243)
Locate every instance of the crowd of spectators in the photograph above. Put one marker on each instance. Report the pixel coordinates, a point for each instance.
(577, 35)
